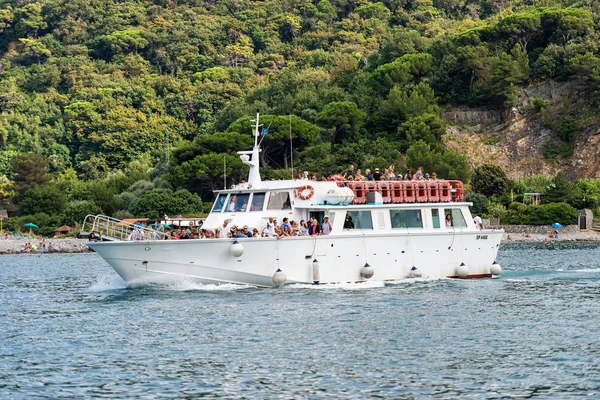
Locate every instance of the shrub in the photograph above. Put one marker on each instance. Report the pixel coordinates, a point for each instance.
(539, 104)
(479, 201)
(547, 214)
(497, 210)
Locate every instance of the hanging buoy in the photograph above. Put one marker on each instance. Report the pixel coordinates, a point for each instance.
(415, 273)
(495, 269)
(367, 271)
(236, 249)
(316, 274)
(462, 271)
(279, 277)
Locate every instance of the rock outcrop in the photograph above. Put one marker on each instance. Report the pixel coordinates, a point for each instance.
(516, 138)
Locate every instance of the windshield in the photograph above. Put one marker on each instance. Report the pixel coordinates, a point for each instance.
(219, 202)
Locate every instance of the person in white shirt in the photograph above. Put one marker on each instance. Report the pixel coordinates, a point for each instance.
(271, 227)
(478, 222)
(223, 230)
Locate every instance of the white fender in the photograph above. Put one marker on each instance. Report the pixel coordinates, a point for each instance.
(462, 270)
(495, 269)
(316, 274)
(236, 249)
(367, 271)
(279, 277)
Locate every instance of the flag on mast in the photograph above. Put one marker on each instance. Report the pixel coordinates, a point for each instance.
(264, 132)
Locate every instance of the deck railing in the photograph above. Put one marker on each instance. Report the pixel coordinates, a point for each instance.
(439, 191)
(108, 228)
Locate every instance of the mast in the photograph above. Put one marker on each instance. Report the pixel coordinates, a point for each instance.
(254, 180)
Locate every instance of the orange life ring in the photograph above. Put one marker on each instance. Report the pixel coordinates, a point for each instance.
(303, 196)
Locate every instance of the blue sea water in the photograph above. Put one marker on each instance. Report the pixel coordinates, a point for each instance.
(70, 328)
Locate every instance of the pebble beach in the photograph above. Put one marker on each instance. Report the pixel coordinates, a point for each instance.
(66, 245)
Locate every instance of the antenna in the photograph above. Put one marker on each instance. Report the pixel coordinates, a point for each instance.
(224, 173)
(291, 147)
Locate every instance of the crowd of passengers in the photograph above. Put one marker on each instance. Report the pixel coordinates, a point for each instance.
(273, 229)
(387, 175)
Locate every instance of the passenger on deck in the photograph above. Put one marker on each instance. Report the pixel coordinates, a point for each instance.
(448, 221)
(350, 172)
(246, 231)
(348, 224)
(255, 233)
(136, 234)
(285, 225)
(478, 222)
(377, 175)
(303, 228)
(433, 176)
(326, 227)
(271, 227)
(313, 229)
(368, 175)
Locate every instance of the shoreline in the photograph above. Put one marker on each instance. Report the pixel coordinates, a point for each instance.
(581, 236)
(66, 245)
(72, 245)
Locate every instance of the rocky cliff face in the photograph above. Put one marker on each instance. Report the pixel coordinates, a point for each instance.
(517, 139)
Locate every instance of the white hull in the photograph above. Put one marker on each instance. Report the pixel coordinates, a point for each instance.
(340, 257)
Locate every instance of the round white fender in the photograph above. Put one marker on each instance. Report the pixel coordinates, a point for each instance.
(462, 271)
(236, 249)
(495, 269)
(367, 271)
(316, 273)
(279, 277)
(415, 273)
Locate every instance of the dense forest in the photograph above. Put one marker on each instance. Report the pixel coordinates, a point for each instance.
(134, 107)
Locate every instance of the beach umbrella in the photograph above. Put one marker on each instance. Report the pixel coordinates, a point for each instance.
(30, 225)
(557, 225)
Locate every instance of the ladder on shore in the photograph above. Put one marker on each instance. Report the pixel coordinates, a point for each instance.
(103, 227)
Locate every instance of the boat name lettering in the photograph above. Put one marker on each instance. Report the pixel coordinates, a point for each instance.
(482, 237)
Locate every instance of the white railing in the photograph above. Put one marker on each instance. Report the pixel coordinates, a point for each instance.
(108, 228)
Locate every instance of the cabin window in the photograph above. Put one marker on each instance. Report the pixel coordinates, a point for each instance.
(456, 217)
(258, 200)
(358, 220)
(219, 203)
(279, 201)
(238, 202)
(406, 219)
(435, 217)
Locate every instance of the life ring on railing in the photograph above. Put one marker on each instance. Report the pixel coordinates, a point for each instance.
(311, 192)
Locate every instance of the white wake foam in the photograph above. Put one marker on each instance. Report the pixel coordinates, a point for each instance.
(183, 284)
(106, 283)
(338, 286)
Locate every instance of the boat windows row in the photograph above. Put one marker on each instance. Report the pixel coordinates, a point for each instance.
(247, 202)
(405, 219)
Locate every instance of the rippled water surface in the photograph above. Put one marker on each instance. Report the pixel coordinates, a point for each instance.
(70, 328)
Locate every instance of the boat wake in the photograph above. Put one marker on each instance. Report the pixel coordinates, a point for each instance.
(411, 281)
(176, 284)
(107, 283)
(339, 286)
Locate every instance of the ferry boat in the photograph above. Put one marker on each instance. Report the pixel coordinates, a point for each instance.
(398, 231)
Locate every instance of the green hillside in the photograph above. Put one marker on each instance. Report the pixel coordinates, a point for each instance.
(89, 90)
